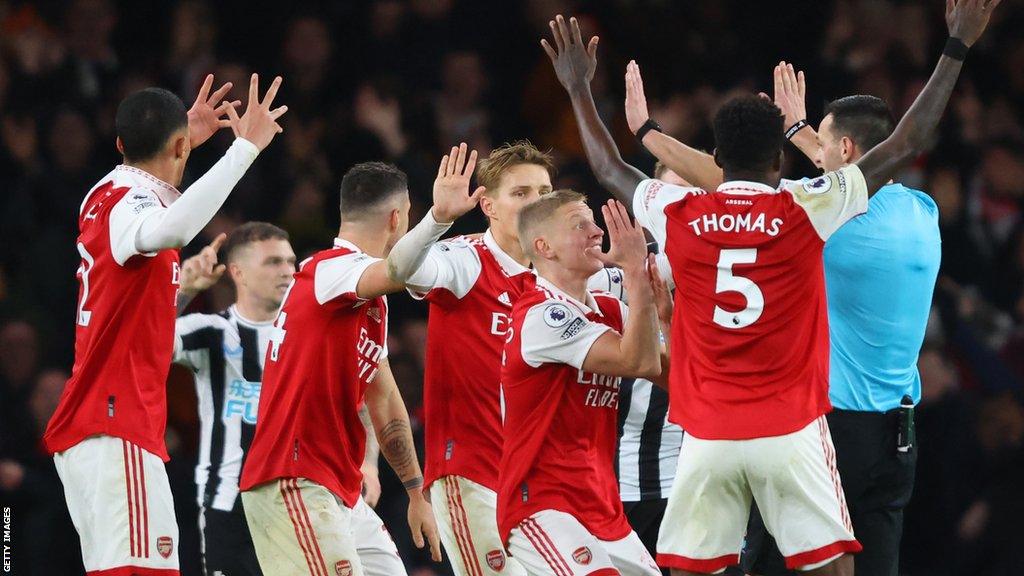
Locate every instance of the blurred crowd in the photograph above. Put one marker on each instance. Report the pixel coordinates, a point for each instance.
(402, 80)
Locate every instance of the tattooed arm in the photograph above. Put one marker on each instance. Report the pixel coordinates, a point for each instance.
(391, 420)
(371, 478)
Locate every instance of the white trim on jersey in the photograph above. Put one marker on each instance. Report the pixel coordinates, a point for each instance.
(225, 352)
(340, 275)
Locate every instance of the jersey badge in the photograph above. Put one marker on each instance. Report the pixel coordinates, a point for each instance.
(556, 315)
(343, 568)
(165, 545)
(582, 555)
(496, 560)
(819, 185)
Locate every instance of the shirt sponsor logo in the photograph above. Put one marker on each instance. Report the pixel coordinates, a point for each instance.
(557, 315)
(496, 560)
(243, 400)
(369, 356)
(574, 328)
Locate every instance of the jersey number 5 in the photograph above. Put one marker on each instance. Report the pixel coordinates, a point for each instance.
(729, 282)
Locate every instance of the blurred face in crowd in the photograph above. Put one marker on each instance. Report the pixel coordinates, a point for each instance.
(19, 351)
(836, 151)
(569, 239)
(944, 186)
(519, 185)
(71, 141)
(264, 270)
(46, 395)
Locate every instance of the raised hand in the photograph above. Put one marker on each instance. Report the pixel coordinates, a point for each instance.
(662, 295)
(574, 62)
(967, 19)
(259, 123)
(451, 188)
(201, 271)
(205, 117)
(636, 102)
(790, 93)
(627, 245)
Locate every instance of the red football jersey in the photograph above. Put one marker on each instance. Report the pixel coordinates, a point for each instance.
(472, 284)
(326, 348)
(560, 422)
(124, 335)
(750, 344)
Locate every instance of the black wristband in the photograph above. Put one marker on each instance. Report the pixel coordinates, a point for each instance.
(955, 49)
(645, 128)
(792, 130)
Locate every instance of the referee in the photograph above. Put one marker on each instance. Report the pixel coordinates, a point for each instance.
(880, 272)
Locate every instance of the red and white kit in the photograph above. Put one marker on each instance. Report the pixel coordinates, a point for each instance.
(470, 284)
(301, 480)
(107, 434)
(558, 506)
(749, 378)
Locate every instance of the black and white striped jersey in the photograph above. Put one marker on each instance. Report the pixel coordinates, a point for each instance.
(648, 443)
(225, 352)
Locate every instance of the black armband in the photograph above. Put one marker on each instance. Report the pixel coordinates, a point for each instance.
(792, 130)
(645, 128)
(955, 49)
(416, 482)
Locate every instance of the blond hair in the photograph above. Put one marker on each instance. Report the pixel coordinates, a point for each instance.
(536, 214)
(490, 170)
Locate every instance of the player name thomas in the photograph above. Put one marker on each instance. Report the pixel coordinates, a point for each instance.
(737, 223)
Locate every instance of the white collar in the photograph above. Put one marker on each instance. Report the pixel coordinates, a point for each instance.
(745, 188)
(167, 193)
(233, 310)
(342, 243)
(587, 306)
(507, 262)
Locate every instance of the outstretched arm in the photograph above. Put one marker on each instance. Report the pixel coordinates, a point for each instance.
(966, 20)
(790, 97)
(696, 167)
(575, 64)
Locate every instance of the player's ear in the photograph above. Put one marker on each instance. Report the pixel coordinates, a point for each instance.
(235, 271)
(395, 220)
(181, 147)
(717, 161)
(487, 206)
(119, 145)
(846, 149)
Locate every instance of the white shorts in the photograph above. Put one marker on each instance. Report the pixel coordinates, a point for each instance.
(120, 503)
(467, 519)
(299, 527)
(794, 480)
(553, 543)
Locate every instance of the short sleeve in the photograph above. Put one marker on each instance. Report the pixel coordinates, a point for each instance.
(190, 348)
(651, 199)
(608, 280)
(338, 277)
(126, 217)
(559, 333)
(452, 265)
(832, 199)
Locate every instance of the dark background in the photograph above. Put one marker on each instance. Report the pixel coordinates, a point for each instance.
(403, 81)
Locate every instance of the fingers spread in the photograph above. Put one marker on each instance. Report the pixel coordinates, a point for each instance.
(557, 35)
(471, 164)
(221, 92)
(548, 49)
(442, 170)
(577, 36)
(254, 89)
(271, 93)
(204, 90)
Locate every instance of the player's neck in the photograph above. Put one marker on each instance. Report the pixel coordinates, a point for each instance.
(565, 280)
(365, 236)
(255, 309)
(759, 177)
(158, 168)
(509, 244)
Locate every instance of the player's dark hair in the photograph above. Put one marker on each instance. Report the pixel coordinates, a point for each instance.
(867, 120)
(146, 120)
(247, 234)
(367, 185)
(748, 134)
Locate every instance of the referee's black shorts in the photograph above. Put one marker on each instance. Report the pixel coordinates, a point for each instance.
(878, 481)
(227, 545)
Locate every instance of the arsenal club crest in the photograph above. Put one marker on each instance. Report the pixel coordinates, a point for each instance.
(343, 568)
(582, 555)
(164, 545)
(496, 560)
